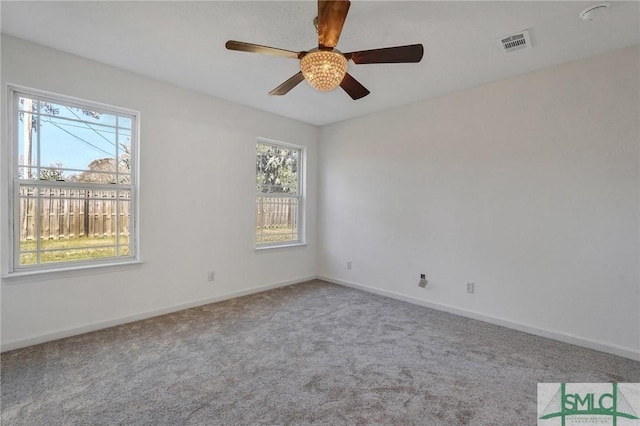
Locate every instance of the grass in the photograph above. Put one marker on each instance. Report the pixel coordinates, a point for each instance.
(275, 235)
(67, 249)
(82, 248)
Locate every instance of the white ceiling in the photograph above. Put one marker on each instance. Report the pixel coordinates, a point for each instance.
(183, 43)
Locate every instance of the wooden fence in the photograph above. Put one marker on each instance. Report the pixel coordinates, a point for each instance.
(69, 213)
(276, 212)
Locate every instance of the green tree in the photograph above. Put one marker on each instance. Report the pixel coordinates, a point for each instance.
(276, 169)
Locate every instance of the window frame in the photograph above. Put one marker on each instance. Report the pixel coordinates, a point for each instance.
(11, 267)
(301, 196)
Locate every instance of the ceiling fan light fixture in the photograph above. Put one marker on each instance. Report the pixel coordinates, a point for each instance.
(324, 70)
(325, 67)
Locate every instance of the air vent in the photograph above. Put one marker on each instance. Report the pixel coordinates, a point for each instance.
(513, 42)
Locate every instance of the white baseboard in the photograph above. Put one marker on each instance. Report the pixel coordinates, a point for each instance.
(61, 334)
(562, 337)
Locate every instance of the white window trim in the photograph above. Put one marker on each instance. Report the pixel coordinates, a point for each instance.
(302, 184)
(8, 162)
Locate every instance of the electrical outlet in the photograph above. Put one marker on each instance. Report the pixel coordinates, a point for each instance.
(211, 276)
(349, 264)
(423, 281)
(471, 287)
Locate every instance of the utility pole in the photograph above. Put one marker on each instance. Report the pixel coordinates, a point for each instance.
(28, 137)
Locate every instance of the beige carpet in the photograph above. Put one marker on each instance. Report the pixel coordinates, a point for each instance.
(312, 353)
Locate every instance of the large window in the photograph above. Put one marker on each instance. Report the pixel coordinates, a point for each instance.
(279, 194)
(74, 182)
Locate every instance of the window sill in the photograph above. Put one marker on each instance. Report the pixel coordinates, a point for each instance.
(260, 248)
(67, 270)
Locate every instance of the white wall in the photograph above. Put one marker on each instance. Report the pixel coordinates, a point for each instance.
(528, 187)
(196, 204)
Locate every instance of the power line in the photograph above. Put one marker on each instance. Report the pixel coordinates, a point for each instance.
(63, 122)
(87, 124)
(79, 138)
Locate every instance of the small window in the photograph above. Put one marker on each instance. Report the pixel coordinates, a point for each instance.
(279, 194)
(74, 182)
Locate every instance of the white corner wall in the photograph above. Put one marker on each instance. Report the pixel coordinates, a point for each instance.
(528, 187)
(197, 205)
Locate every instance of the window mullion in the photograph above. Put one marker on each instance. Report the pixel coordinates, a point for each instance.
(17, 223)
(36, 218)
(37, 132)
(117, 165)
(117, 223)
(261, 218)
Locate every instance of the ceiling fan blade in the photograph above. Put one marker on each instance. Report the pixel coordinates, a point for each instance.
(388, 55)
(331, 16)
(353, 87)
(284, 88)
(256, 48)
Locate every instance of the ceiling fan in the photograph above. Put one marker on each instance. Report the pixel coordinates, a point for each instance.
(325, 67)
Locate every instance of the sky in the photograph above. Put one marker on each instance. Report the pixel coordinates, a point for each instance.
(67, 135)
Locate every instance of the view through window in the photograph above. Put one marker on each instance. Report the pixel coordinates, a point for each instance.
(73, 185)
(278, 186)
